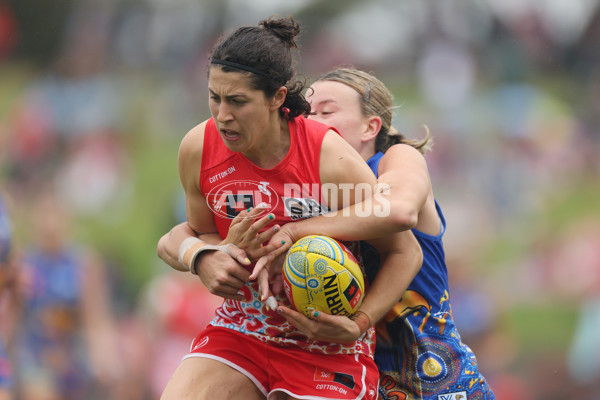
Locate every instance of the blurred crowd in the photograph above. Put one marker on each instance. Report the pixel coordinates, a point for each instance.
(511, 96)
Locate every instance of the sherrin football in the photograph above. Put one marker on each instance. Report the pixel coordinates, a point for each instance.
(321, 273)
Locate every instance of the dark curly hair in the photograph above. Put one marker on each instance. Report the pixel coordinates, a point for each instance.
(268, 52)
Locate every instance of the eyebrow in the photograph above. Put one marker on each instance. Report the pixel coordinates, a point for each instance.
(230, 96)
(326, 101)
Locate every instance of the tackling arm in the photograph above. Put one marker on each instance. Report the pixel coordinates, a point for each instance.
(394, 205)
(401, 260)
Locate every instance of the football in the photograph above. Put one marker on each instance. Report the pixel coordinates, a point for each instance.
(320, 273)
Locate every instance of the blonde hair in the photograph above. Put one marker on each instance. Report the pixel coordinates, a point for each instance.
(376, 100)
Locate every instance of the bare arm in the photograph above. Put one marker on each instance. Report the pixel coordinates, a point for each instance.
(245, 232)
(401, 264)
(401, 260)
(190, 157)
(402, 191)
(220, 273)
(168, 245)
(200, 218)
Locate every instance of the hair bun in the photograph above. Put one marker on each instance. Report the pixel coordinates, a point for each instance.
(286, 29)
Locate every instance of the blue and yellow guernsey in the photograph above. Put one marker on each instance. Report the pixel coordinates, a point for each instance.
(419, 351)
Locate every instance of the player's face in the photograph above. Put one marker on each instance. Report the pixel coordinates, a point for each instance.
(338, 105)
(240, 112)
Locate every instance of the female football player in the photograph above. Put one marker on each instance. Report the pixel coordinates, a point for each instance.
(419, 351)
(254, 148)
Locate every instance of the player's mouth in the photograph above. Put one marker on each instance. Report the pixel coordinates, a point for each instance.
(230, 135)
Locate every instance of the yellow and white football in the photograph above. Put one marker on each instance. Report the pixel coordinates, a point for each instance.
(321, 273)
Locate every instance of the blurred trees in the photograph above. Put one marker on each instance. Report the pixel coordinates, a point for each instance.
(40, 27)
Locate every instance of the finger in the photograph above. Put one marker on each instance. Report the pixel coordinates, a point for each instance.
(229, 296)
(229, 286)
(261, 264)
(240, 218)
(286, 312)
(257, 211)
(266, 235)
(249, 230)
(238, 230)
(259, 252)
(229, 283)
(227, 291)
(280, 248)
(263, 284)
(237, 254)
(238, 275)
(322, 317)
(244, 220)
(262, 222)
(226, 295)
(297, 319)
(251, 215)
(270, 252)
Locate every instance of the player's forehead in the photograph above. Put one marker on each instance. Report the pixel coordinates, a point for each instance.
(230, 83)
(331, 92)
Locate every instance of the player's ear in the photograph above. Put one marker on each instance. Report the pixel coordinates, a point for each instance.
(372, 128)
(278, 98)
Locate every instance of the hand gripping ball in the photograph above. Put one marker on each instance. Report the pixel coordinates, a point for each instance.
(321, 273)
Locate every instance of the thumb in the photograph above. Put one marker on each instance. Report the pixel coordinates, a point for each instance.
(316, 314)
(323, 317)
(238, 254)
(243, 259)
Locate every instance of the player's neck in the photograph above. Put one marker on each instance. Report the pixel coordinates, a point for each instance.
(273, 147)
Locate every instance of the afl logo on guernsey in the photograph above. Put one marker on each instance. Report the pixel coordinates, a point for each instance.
(228, 199)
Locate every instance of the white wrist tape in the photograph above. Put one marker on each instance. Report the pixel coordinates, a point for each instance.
(189, 250)
(271, 302)
(191, 247)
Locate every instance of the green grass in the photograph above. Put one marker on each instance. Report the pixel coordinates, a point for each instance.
(13, 78)
(544, 323)
(559, 212)
(128, 234)
(580, 203)
(541, 328)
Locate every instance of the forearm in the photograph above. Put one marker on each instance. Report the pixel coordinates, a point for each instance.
(170, 243)
(402, 190)
(376, 216)
(398, 269)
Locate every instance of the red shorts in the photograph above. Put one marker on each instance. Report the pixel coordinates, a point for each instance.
(290, 369)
